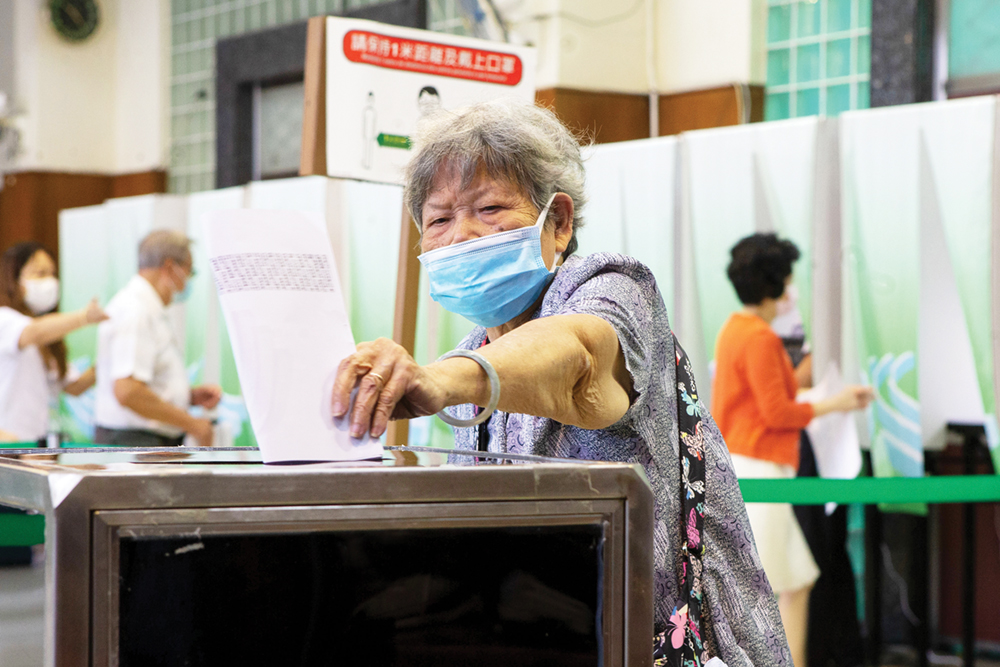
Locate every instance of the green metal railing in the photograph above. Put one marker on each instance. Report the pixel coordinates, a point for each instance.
(870, 490)
(28, 529)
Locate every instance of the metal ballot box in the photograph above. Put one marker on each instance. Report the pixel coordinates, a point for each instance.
(208, 557)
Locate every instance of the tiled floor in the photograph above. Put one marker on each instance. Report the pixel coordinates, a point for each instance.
(21, 615)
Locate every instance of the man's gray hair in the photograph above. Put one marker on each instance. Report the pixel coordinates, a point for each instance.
(161, 245)
(520, 143)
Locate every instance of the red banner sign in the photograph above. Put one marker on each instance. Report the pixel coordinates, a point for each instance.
(429, 58)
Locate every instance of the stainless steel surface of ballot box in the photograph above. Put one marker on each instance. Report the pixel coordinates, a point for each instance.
(208, 557)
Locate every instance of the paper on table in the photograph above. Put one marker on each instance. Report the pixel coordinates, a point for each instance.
(834, 436)
(283, 306)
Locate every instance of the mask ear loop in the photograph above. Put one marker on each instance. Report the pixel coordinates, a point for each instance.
(542, 217)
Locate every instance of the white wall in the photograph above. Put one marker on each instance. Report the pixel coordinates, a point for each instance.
(97, 106)
(142, 96)
(7, 48)
(600, 45)
(710, 43)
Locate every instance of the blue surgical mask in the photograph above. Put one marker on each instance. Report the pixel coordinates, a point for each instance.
(492, 279)
(185, 293)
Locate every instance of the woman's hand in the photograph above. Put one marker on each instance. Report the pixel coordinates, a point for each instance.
(93, 313)
(46, 329)
(390, 385)
(853, 397)
(569, 368)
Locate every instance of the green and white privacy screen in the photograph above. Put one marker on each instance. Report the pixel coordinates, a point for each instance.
(892, 209)
(766, 177)
(98, 254)
(631, 205)
(917, 208)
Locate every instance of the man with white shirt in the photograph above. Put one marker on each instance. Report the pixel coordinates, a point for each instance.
(143, 393)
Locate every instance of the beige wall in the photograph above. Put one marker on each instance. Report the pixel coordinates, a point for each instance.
(600, 45)
(142, 98)
(98, 106)
(710, 43)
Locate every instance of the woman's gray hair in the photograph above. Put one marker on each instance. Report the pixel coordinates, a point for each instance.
(161, 245)
(513, 141)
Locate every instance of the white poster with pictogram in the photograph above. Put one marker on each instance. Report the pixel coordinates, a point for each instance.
(382, 79)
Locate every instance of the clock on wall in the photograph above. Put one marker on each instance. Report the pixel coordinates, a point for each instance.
(74, 20)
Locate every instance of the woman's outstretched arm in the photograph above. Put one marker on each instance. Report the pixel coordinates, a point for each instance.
(569, 368)
(47, 329)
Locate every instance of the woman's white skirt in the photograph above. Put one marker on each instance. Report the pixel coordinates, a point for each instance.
(784, 552)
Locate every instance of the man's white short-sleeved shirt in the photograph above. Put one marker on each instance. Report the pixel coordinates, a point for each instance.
(25, 393)
(138, 341)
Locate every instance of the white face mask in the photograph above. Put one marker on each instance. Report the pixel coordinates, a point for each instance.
(41, 294)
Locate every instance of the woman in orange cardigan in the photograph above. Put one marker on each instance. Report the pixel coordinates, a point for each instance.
(753, 401)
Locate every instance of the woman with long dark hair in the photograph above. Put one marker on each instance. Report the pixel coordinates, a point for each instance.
(33, 368)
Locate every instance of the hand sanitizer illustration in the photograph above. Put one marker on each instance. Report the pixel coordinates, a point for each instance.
(368, 132)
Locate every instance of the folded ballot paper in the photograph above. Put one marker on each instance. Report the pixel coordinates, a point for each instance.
(834, 436)
(284, 309)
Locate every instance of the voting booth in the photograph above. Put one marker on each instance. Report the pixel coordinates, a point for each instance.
(211, 558)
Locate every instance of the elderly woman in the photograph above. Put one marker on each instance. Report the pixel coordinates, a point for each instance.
(577, 358)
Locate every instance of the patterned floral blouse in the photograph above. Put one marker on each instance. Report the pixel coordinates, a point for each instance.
(740, 612)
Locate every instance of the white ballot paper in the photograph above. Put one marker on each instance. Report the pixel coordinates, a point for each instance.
(834, 436)
(280, 295)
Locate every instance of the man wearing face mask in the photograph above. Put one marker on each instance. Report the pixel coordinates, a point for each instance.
(143, 393)
(33, 368)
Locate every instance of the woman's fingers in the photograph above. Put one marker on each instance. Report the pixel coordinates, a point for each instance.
(94, 312)
(370, 388)
(865, 395)
(393, 392)
(350, 369)
(371, 369)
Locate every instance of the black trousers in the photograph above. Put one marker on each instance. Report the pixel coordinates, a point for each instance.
(134, 437)
(834, 637)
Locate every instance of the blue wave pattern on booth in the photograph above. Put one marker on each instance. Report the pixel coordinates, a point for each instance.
(917, 232)
(818, 57)
(195, 27)
(894, 420)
